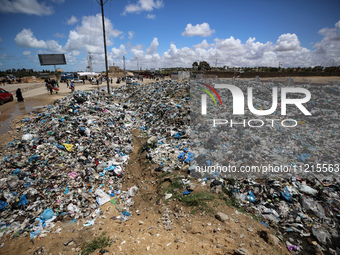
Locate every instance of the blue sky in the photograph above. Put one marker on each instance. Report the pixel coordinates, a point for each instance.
(164, 33)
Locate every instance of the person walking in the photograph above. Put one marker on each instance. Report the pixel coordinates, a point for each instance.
(67, 83)
(19, 95)
(50, 88)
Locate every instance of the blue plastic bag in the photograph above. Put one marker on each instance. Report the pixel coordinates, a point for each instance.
(3, 204)
(178, 135)
(286, 195)
(181, 156)
(47, 214)
(23, 200)
(16, 171)
(33, 234)
(187, 192)
(125, 213)
(250, 197)
(31, 159)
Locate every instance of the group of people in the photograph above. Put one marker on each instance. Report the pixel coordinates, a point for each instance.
(51, 85)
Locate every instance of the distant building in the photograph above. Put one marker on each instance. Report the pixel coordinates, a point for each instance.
(115, 71)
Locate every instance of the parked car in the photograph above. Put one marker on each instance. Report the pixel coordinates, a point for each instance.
(76, 80)
(130, 80)
(5, 96)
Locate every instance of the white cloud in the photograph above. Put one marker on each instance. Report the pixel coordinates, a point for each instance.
(203, 45)
(54, 46)
(58, 1)
(150, 16)
(131, 34)
(59, 35)
(143, 5)
(31, 7)
(153, 47)
(198, 30)
(234, 46)
(88, 36)
(287, 42)
(1, 39)
(26, 39)
(71, 21)
(327, 51)
(231, 51)
(331, 34)
(228, 52)
(26, 53)
(300, 57)
(72, 60)
(118, 53)
(256, 50)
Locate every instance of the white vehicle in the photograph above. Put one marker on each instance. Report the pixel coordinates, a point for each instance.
(77, 80)
(130, 80)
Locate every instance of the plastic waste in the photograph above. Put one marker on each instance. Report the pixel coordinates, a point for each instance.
(323, 236)
(315, 207)
(286, 195)
(250, 197)
(23, 200)
(102, 197)
(47, 214)
(133, 191)
(27, 137)
(308, 190)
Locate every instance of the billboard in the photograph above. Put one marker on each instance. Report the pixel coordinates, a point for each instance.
(52, 59)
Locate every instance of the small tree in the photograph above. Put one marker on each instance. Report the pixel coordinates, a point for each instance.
(204, 66)
(195, 65)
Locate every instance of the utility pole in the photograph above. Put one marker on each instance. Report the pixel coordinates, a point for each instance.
(107, 72)
(137, 66)
(124, 67)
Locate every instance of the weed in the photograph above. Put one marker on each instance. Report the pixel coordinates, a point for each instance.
(216, 203)
(173, 188)
(164, 174)
(199, 201)
(98, 243)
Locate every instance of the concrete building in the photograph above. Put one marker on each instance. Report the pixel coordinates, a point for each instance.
(115, 71)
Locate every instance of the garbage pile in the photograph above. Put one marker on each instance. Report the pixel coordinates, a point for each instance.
(254, 144)
(304, 212)
(71, 159)
(69, 162)
(161, 110)
(281, 168)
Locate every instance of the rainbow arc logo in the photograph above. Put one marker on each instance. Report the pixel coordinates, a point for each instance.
(204, 97)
